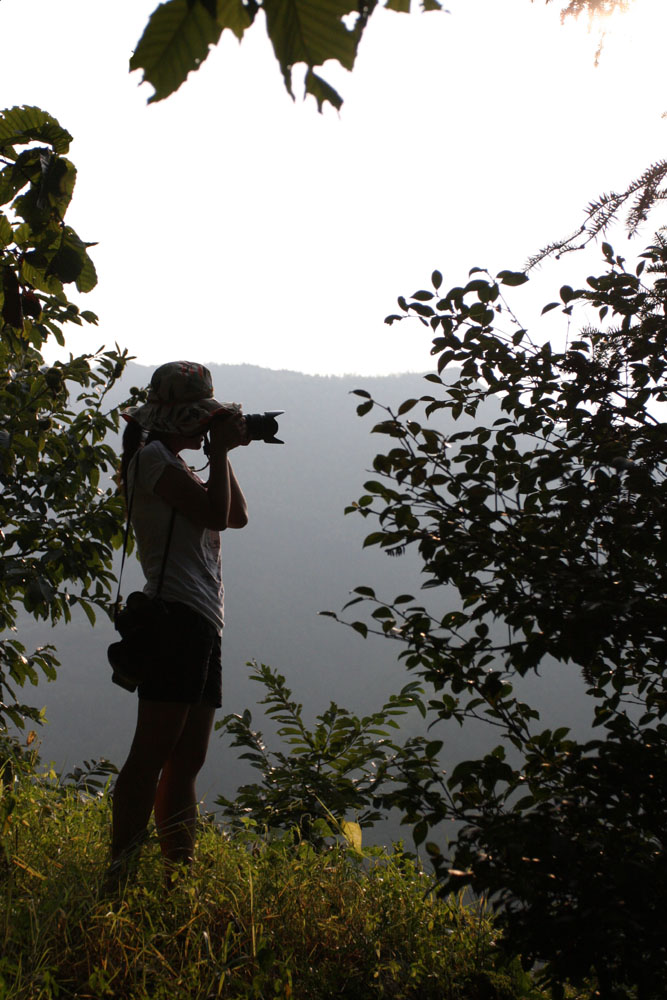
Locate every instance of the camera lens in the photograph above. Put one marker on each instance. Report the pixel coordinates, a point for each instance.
(263, 426)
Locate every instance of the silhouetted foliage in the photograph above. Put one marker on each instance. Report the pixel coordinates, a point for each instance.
(545, 520)
(335, 777)
(637, 200)
(311, 33)
(59, 527)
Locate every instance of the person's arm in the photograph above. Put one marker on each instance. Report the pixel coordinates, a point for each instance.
(238, 508)
(208, 506)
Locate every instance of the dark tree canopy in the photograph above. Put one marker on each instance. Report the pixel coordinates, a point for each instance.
(59, 522)
(545, 517)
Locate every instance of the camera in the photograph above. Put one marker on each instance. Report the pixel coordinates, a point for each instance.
(260, 426)
(263, 426)
(139, 609)
(141, 623)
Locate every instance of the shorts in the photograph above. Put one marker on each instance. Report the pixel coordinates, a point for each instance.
(187, 663)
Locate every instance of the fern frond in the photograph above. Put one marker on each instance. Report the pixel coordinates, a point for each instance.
(643, 193)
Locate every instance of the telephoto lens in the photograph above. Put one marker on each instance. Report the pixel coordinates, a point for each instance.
(263, 426)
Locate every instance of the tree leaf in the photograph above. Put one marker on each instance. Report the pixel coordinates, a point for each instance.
(311, 32)
(27, 123)
(6, 233)
(87, 276)
(322, 91)
(175, 42)
(352, 833)
(407, 405)
(512, 278)
(66, 265)
(12, 312)
(419, 832)
(233, 14)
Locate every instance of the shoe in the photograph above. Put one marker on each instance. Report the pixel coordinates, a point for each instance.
(122, 870)
(115, 880)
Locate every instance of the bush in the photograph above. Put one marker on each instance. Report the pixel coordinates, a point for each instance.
(256, 918)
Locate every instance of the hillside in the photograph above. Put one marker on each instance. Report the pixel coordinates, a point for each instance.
(299, 555)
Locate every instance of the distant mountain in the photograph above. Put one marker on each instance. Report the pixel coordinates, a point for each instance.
(298, 555)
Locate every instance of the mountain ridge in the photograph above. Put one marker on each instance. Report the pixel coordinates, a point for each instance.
(299, 555)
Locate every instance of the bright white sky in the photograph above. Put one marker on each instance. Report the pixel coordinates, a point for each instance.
(236, 226)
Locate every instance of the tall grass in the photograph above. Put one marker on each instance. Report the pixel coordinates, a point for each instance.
(256, 917)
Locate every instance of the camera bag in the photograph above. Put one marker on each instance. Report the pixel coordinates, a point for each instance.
(141, 621)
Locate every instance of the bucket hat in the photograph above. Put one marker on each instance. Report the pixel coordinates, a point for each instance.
(180, 400)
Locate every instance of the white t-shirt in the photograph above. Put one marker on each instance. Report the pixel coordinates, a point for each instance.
(192, 572)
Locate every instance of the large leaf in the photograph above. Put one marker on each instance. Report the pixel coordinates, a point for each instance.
(87, 276)
(179, 34)
(50, 192)
(66, 264)
(352, 833)
(29, 167)
(175, 41)
(310, 32)
(12, 312)
(233, 14)
(322, 91)
(19, 125)
(6, 234)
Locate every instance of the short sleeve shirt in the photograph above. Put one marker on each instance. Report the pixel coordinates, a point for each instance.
(192, 571)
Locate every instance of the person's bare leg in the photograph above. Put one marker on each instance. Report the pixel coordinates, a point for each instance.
(175, 798)
(159, 728)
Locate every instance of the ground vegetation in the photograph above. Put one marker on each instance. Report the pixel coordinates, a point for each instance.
(258, 916)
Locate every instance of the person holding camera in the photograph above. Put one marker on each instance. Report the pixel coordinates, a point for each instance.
(177, 520)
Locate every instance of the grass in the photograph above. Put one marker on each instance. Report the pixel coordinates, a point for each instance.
(257, 917)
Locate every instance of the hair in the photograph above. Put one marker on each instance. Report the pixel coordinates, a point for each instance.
(133, 440)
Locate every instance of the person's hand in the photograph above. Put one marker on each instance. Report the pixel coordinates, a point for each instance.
(227, 432)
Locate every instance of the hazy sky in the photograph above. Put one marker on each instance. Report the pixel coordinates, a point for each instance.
(237, 226)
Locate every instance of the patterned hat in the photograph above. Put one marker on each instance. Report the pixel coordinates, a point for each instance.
(180, 400)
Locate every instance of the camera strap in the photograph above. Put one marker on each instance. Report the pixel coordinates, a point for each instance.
(128, 524)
